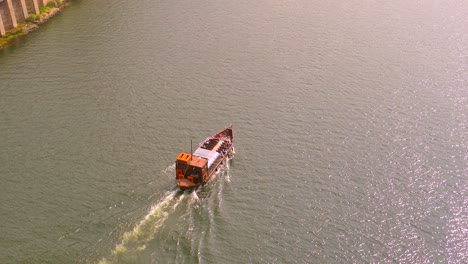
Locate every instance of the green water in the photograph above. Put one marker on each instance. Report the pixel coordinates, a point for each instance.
(350, 133)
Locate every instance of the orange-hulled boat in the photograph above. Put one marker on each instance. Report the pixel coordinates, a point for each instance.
(193, 170)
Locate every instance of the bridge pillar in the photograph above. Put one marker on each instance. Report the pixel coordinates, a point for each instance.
(25, 9)
(36, 6)
(2, 28)
(12, 13)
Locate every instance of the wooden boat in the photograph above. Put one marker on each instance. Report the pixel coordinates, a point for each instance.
(195, 169)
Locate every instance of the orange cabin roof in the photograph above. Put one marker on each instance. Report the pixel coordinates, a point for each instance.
(198, 162)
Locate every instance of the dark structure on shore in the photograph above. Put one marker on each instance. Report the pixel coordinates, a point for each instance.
(13, 12)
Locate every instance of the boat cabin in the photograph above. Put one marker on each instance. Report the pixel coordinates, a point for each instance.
(192, 168)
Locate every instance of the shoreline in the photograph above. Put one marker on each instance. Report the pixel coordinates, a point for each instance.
(25, 27)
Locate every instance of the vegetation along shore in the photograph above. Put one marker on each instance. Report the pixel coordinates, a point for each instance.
(25, 24)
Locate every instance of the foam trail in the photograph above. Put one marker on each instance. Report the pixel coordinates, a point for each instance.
(195, 197)
(220, 190)
(136, 240)
(169, 169)
(228, 172)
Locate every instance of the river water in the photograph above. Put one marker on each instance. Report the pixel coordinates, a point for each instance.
(350, 132)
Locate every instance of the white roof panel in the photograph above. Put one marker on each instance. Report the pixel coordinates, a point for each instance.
(210, 155)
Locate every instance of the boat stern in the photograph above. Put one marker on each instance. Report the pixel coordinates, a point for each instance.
(185, 184)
